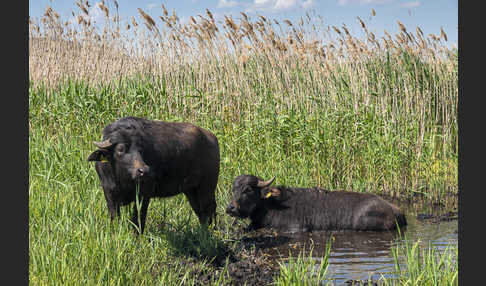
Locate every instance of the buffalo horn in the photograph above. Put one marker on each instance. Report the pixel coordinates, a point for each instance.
(103, 145)
(263, 184)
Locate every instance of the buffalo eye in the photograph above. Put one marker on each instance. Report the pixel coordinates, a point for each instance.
(246, 189)
(120, 149)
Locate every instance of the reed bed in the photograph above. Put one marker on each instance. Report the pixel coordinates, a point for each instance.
(395, 95)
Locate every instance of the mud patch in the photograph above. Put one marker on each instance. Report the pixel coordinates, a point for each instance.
(437, 218)
(263, 239)
(206, 260)
(246, 269)
(253, 270)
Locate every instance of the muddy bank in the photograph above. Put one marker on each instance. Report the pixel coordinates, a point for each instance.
(209, 260)
(249, 263)
(437, 218)
(418, 200)
(249, 270)
(428, 211)
(252, 258)
(245, 268)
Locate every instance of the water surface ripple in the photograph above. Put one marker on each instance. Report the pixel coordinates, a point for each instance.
(363, 255)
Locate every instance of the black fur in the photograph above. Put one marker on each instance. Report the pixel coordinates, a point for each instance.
(161, 158)
(308, 209)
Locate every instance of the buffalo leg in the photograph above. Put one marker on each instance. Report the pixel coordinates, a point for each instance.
(208, 208)
(143, 213)
(207, 200)
(114, 211)
(205, 208)
(113, 208)
(193, 199)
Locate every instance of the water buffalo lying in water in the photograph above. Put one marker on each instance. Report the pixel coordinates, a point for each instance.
(161, 159)
(304, 209)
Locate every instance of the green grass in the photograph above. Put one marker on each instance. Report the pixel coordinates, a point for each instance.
(71, 238)
(416, 264)
(303, 270)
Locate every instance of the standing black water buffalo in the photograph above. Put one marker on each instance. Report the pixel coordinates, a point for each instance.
(157, 159)
(301, 209)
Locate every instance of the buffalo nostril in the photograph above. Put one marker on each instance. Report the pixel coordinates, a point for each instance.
(140, 172)
(230, 208)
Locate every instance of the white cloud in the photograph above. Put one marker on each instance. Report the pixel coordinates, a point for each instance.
(363, 2)
(227, 3)
(151, 6)
(279, 4)
(262, 2)
(307, 4)
(96, 15)
(410, 5)
(284, 4)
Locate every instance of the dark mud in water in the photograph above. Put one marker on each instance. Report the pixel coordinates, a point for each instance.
(355, 256)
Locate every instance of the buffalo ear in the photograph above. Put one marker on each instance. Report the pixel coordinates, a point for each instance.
(270, 193)
(99, 155)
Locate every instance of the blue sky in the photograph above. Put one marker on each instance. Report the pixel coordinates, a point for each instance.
(429, 15)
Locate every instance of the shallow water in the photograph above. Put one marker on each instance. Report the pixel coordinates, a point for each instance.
(363, 255)
(367, 255)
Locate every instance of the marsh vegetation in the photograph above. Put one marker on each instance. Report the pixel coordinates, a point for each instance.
(308, 103)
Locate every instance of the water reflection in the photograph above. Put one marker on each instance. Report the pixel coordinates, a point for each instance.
(363, 255)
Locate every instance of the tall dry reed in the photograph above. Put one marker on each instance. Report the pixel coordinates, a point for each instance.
(408, 80)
